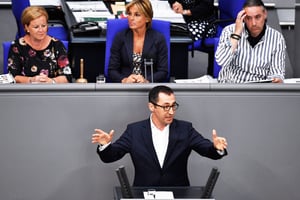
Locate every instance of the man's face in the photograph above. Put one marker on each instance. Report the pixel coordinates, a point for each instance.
(162, 117)
(255, 19)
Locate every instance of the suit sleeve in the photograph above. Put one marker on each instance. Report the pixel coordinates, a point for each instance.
(115, 151)
(114, 68)
(204, 146)
(161, 72)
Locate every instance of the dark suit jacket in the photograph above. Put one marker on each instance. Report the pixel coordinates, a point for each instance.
(137, 141)
(120, 62)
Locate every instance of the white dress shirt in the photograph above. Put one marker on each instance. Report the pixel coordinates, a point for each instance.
(160, 141)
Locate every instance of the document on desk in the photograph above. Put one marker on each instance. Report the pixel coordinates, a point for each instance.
(202, 79)
(163, 11)
(159, 195)
(90, 11)
(45, 2)
(292, 80)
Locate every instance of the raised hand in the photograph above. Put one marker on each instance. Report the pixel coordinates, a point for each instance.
(102, 137)
(220, 143)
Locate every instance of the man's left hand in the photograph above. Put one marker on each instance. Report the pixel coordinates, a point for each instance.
(220, 143)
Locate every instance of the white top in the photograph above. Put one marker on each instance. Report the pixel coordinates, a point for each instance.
(160, 141)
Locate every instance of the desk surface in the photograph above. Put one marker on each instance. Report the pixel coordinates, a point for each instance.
(263, 89)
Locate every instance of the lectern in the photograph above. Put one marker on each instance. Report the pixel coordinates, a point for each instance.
(180, 193)
(125, 191)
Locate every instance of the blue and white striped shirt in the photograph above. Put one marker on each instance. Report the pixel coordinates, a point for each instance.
(265, 60)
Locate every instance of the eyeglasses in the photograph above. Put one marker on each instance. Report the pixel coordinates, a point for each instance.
(167, 108)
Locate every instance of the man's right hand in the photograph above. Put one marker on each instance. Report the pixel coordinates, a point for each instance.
(102, 137)
(239, 22)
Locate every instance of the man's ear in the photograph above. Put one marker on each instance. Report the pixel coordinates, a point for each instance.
(151, 106)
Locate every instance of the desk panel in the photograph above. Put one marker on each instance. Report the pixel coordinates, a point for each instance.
(46, 151)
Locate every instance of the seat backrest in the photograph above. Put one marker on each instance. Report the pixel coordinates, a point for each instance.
(6, 47)
(116, 25)
(228, 9)
(17, 7)
(217, 67)
(56, 29)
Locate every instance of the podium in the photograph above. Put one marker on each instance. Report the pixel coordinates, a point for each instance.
(180, 193)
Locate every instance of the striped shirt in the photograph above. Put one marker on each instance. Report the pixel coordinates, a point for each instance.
(265, 60)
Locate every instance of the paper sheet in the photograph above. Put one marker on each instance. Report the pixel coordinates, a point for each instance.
(163, 11)
(90, 11)
(202, 79)
(158, 195)
(45, 2)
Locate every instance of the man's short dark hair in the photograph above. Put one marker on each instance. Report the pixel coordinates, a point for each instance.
(153, 93)
(251, 3)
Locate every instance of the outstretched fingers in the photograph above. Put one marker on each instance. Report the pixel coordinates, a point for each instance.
(220, 143)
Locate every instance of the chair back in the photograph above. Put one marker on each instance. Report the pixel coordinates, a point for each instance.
(116, 25)
(56, 28)
(6, 46)
(217, 67)
(17, 7)
(113, 27)
(228, 10)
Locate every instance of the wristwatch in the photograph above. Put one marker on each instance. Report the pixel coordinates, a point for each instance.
(184, 12)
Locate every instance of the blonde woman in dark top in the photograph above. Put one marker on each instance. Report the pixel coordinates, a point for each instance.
(131, 46)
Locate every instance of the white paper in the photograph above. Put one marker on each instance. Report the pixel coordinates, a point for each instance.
(163, 11)
(85, 6)
(292, 80)
(159, 195)
(6, 78)
(92, 10)
(45, 2)
(202, 79)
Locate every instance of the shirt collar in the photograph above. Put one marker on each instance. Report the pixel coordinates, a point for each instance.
(254, 40)
(153, 125)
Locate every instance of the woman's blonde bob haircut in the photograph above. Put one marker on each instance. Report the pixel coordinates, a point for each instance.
(145, 7)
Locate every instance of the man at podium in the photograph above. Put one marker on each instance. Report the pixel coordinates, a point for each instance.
(160, 145)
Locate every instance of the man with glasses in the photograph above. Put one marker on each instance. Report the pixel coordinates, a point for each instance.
(161, 145)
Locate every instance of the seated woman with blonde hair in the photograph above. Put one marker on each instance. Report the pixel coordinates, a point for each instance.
(38, 57)
(131, 46)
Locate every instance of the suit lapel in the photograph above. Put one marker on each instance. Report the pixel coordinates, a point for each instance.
(129, 46)
(147, 44)
(173, 138)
